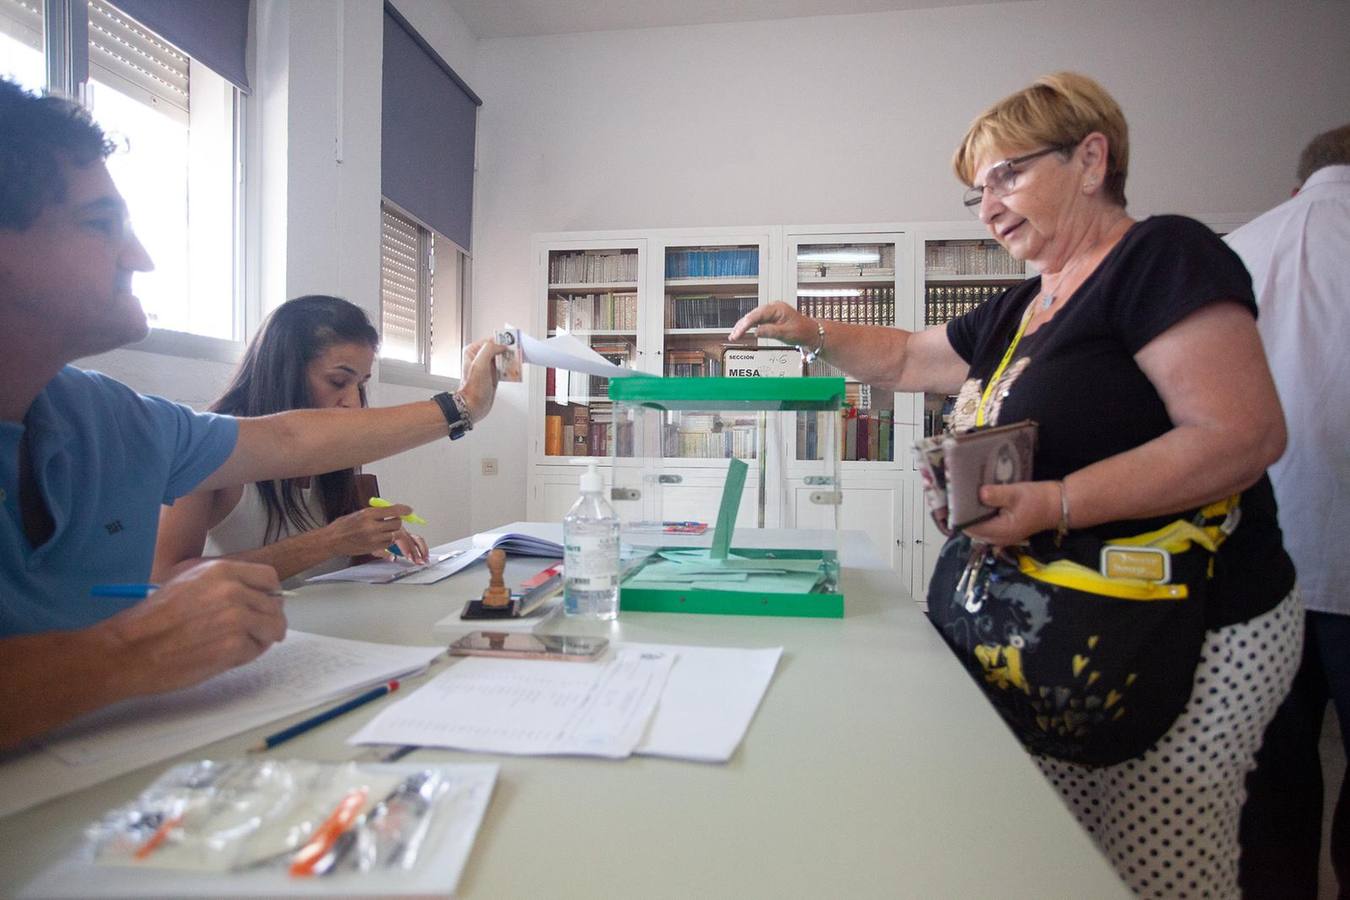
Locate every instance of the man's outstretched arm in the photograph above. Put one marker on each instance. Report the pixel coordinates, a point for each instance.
(305, 442)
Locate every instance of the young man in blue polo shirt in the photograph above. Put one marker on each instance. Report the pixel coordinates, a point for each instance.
(86, 462)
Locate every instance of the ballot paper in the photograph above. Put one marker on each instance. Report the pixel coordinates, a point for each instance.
(531, 707)
(563, 351)
(707, 701)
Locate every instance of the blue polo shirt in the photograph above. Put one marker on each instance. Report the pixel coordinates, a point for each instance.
(105, 458)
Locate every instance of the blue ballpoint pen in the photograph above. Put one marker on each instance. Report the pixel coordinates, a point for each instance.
(141, 591)
(125, 591)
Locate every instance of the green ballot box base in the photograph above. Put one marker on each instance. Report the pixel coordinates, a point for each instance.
(707, 599)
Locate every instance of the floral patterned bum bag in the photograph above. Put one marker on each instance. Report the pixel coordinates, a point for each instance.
(1083, 667)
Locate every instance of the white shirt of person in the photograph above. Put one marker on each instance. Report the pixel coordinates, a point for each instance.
(1299, 257)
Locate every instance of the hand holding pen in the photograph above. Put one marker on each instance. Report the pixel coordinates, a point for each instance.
(374, 531)
(407, 545)
(213, 617)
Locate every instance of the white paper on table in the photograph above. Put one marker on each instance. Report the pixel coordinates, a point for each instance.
(386, 571)
(563, 351)
(303, 671)
(440, 863)
(709, 700)
(530, 707)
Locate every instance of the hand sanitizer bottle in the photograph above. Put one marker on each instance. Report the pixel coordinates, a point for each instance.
(591, 553)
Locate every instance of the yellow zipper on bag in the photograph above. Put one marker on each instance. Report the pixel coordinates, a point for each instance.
(1069, 574)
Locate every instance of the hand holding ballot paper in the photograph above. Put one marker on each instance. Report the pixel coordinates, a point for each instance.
(562, 352)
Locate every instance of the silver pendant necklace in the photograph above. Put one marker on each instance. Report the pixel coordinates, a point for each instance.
(1047, 300)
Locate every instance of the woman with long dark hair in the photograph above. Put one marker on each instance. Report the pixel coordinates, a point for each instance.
(313, 352)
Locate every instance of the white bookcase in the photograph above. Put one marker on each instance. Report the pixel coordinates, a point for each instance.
(670, 313)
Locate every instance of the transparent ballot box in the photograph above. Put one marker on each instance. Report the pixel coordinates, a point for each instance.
(700, 465)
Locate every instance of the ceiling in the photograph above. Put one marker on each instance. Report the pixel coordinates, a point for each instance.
(522, 18)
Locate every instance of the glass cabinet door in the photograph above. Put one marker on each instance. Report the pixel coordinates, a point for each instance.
(593, 295)
(852, 281)
(959, 275)
(707, 288)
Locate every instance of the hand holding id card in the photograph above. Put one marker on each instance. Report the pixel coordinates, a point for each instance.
(510, 363)
(955, 466)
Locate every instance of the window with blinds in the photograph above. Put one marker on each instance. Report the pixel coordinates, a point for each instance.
(21, 43)
(134, 61)
(423, 285)
(401, 287)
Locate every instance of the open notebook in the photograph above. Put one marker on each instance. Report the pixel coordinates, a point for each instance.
(527, 540)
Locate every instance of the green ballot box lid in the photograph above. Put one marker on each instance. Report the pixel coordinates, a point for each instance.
(803, 394)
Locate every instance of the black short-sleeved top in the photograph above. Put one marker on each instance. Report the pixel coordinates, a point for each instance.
(1076, 376)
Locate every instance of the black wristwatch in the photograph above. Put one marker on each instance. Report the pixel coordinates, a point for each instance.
(456, 413)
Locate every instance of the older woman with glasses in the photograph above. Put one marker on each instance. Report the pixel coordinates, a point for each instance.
(1136, 352)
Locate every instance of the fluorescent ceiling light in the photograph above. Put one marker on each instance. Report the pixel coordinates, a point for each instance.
(839, 256)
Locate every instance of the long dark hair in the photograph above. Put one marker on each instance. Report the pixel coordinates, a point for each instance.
(272, 378)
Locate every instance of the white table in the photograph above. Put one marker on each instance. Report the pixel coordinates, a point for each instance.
(874, 768)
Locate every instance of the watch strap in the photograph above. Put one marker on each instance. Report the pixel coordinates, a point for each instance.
(456, 415)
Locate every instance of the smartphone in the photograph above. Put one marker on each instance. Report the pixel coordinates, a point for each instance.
(515, 645)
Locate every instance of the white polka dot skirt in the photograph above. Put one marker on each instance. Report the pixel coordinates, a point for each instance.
(1168, 819)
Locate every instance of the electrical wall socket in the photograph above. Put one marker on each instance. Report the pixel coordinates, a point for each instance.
(489, 465)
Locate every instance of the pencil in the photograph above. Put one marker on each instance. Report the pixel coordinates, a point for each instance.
(315, 721)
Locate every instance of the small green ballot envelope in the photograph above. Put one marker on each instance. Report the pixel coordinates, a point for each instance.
(694, 459)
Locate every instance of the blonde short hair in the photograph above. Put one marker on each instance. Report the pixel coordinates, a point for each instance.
(1058, 110)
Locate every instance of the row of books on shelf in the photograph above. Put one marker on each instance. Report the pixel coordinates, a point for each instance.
(871, 306)
(969, 258)
(943, 303)
(586, 431)
(692, 364)
(861, 435)
(589, 312)
(706, 311)
(590, 431)
(938, 419)
(709, 436)
(593, 267)
(720, 262)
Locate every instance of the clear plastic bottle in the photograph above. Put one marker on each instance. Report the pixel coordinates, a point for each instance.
(591, 553)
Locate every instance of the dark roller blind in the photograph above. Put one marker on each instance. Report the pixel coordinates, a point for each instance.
(427, 133)
(213, 32)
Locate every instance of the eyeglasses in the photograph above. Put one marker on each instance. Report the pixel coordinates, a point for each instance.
(1001, 179)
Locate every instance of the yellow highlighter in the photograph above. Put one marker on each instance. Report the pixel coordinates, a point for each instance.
(410, 518)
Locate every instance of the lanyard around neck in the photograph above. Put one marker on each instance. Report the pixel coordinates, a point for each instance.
(1003, 364)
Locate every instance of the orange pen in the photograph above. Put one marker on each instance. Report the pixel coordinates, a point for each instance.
(308, 856)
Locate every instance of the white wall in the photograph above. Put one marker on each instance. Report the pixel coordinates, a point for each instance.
(853, 119)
